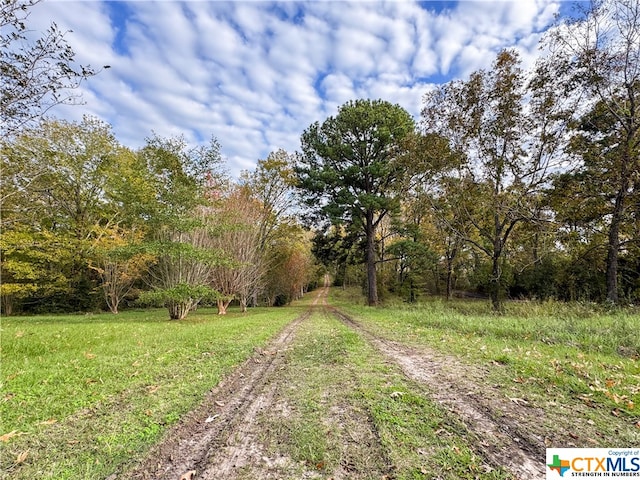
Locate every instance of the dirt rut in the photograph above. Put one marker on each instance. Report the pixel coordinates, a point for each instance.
(202, 445)
(220, 439)
(499, 424)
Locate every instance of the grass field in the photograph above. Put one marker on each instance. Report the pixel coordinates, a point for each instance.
(580, 364)
(81, 394)
(349, 411)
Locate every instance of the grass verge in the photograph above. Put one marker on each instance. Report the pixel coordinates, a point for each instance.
(580, 365)
(344, 412)
(82, 395)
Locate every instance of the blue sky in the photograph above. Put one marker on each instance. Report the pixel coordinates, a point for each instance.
(255, 74)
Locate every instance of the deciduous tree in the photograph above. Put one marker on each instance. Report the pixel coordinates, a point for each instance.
(57, 181)
(598, 55)
(180, 239)
(237, 224)
(509, 131)
(35, 75)
(119, 260)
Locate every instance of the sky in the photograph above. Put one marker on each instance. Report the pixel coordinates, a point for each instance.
(255, 74)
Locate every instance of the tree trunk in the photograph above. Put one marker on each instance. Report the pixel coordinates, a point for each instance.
(372, 287)
(450, 259)
(222, 306)
(412, 292)
(243, 303)
(496, 284)
(7, 305)
(178, 310)
(496, 272)
(613, 245)
(112, 302)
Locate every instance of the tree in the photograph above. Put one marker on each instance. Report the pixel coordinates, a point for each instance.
(451, 226)
(338, 250)
(180, 239)
(413, 256)
(428, 212)
(181, 272)
(35, 76)
(120, 261)
(509, 132)
(598, 54)
(350, 169)
(237, 221)
(34, 265)
(270, 187)
(291, 267)
(57, 181)
(271, 184)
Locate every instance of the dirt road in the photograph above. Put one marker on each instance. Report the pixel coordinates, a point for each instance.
(499, 425)
(222, 439)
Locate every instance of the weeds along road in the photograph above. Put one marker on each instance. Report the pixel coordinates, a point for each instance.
(501, 428)
(328, 399)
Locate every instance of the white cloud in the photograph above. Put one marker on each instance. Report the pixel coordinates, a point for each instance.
(256, 74)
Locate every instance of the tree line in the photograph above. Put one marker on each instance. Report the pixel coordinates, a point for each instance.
(513, 183)
(89, 223)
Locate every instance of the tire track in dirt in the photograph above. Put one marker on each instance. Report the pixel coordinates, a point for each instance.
(242, 449)
(219, 438)
(495, 422)
(195, 444)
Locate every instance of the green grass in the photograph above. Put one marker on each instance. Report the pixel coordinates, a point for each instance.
(84, 394)
(345, 408)
(574, 361)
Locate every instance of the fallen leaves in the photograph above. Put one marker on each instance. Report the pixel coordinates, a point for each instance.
(190, 475)
(22, 457)
(616, 398)
(153, 388)
(8, 436)
(260, 351)
(587, 400)
(211, 418)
